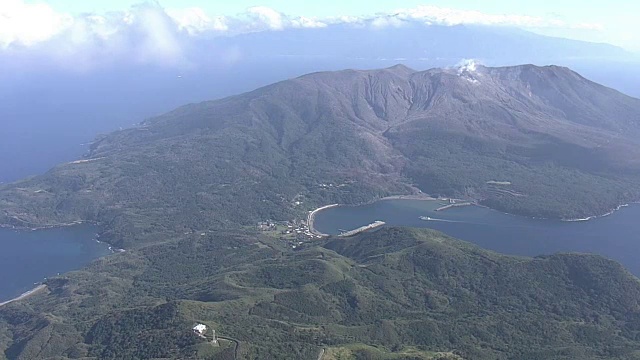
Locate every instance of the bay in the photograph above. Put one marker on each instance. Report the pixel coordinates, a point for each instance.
(616, 236)
(27, 257)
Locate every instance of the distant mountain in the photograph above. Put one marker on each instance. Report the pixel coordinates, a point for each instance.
(413, 41)
(537, 141)
(392, 294)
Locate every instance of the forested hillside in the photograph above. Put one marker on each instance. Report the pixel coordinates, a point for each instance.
(383, 294)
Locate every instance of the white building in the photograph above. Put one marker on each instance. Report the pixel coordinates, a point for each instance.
(200, 329)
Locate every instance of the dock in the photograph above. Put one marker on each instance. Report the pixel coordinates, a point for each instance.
(449, 206)
(373, 225)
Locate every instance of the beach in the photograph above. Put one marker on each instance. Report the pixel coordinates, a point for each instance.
(312, 214)
(25, 295)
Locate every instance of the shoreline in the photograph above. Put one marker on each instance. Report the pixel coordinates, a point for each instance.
(409, 197)
(426, 197)
(593, 217)
(25, 295)
(60, 226)
(45, 227)
(311, 217)
(312, 214)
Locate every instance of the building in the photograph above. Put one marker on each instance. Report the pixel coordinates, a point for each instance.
(200, 329)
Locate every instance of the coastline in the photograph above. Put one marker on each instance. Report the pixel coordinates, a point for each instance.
(426, 197)
(25, 295)
(599, 216)
(63, 225)
(311, 217)
(409, 197)
(45, 227)
(312, 214)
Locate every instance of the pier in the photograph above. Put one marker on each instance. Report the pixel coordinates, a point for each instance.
(373, 225)
(449, 206)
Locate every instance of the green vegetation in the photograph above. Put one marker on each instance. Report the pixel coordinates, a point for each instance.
(447, 167)
(360, 351)
(184, 191)
(400, 293)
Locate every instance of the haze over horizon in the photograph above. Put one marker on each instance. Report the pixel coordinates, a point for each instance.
(570, 19)
(80, 36)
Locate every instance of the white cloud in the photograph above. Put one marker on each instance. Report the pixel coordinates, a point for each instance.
(144, 34)
(194, 20)
(305, 22)
(447, 16)
(386, 21)
(148, 33)
(267, 16)
(28, 24)
(157, 37)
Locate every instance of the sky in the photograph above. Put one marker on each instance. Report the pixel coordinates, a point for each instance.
(84, 34)
(611, 21)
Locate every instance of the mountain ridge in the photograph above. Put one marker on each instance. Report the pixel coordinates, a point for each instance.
(395, 289)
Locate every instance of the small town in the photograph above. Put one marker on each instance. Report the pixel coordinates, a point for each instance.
(294, 232)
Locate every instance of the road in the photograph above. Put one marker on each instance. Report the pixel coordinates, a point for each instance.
(236, 345)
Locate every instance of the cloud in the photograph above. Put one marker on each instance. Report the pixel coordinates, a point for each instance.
(156, 36)
(144, 34)
(267, 16)
(305, 22)
(380, 22)
(29, 23)
(447, 16)
(194, 20)
(151, 34)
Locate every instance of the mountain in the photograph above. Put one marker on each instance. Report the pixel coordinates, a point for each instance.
(411, 41)
(182, 192)
(49, 108)
(536, 141)
(392, 294)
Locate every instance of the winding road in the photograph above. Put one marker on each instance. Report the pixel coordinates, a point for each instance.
(236, 345)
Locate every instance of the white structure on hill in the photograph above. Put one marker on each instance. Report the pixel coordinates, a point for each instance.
(200, 329)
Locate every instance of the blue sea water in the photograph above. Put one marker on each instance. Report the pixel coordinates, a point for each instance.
(616, 236)
(27, 257)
